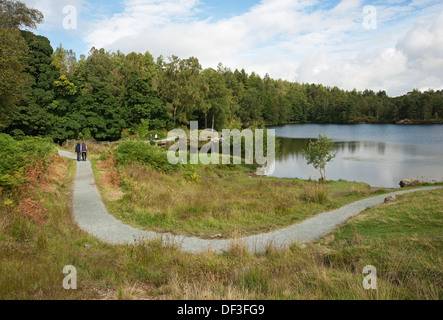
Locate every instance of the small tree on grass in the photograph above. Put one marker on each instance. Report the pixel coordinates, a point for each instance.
(319, 153)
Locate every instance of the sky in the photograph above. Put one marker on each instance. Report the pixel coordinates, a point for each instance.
(392, 45)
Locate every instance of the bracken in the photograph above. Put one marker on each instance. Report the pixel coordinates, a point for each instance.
(33, 210)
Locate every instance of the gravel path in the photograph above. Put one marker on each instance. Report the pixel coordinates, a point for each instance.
(91, 215)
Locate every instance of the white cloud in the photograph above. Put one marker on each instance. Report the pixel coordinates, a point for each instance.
(140, 19)
(379, 70)
(423, 47)
(424, 44)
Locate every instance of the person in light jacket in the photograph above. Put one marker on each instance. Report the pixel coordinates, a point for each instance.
(78, 149)
(84, 150)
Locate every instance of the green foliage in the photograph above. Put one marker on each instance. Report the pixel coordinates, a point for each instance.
(151, 156)
(13, 53)
(142, 128)
(100, 115)
(64, 86)
(141, 64)
(191, 175)
(179, 86)
(95, 71)
(141, 102)
(39, 112)
(19, 154)
(64, 60)
(319, 153)
(216, 99)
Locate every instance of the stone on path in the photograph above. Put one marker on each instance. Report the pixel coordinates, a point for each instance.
(391, 199)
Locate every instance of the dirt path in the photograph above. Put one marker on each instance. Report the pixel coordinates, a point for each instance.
(91, 215)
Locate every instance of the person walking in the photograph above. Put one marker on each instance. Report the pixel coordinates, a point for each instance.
(84, 150)
(78, 149)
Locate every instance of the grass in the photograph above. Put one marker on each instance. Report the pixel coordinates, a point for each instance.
(403, 240)
(227, 200)
(408, 261)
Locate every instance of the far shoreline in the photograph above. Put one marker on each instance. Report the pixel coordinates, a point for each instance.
(406, 123)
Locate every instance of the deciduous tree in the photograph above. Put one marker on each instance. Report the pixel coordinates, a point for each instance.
(319, 153)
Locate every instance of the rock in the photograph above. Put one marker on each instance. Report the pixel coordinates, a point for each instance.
(217, 236)
(391, 199)
(87, 246)
(405, 121)
(409, 183)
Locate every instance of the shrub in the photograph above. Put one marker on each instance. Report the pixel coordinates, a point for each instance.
(315, 192)
(151, 156)
(191, 176)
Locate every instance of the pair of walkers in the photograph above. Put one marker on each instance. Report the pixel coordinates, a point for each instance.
(81, 150)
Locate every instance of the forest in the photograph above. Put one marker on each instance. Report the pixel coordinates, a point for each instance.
(106, 95)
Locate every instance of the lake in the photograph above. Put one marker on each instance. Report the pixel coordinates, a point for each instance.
(378, 154)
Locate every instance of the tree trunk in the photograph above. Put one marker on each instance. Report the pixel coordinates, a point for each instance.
(175, 111)
(213, 117)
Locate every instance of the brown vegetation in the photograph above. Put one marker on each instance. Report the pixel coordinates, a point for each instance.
(33, 210)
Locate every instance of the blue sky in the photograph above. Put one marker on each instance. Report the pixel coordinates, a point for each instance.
(223, 9)
(390, 45)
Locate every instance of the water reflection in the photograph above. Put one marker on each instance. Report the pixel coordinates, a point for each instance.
(293, 147)
(379, 163)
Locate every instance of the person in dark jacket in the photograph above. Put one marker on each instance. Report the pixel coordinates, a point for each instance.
(84, 150)
(78, 149)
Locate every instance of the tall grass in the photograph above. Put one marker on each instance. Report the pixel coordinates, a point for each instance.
(314, 192)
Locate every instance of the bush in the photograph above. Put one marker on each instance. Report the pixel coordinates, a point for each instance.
(191, 176)
(315, 192)
(151, 156)
(19, 154)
